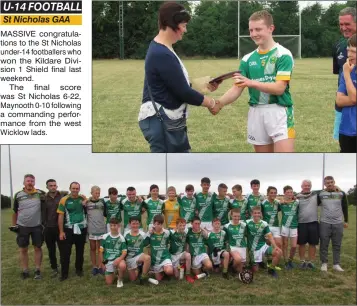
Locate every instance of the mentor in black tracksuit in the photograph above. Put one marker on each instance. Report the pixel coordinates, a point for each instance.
(52, 198)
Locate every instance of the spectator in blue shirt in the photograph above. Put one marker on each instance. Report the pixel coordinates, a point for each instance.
(167, 82)
(346, 98)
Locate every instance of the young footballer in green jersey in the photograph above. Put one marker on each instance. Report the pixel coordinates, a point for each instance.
(257, 233)
(239, 202)
(180, 258)
(204, 205)
(132, 207)
(270, 210)
(236, 239)
(187, 205)
(216, 241)
(112, 206)
(112, 253)
(266, 72)
(289, 224)
(255, 198)
(96, 227)
(220, 204)
(136, 240)
(196, 244)
(159, 237)
(153, 205)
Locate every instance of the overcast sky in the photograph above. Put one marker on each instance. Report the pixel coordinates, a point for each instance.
(77, 163)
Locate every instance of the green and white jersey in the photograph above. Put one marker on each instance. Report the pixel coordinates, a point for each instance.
(196, 242)
(130, 210)
(204, 206)
(290, 214)
(112, 210)
(242, 204)
(177, 241)
(236, 234)
(73, 210)
(159, 246)
(112, 246)
(253, 200)
(274, 65)
(153, 208)
(256, 233)
(187, 208)
(270, 212)
(220, 208)
(135, 244)
(216, 240)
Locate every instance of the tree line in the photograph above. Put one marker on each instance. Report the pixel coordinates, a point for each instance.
(212, 31)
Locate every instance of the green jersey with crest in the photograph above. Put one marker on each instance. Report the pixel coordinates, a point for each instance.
(135, 244)
(256, 233)
(153, 208)
(177, 241)
(204, 206)
(187, 208)
(112, 246)
(216, 240)
(220, 208)
(268, 67)
(236, 234)
(112, 210)
(253, 200)
(242, 204)
(131, 210)
(196, 242)
(270, 212)
(159, 246)
(290, 214)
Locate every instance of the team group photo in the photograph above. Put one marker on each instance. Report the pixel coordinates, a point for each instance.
(205, 231)
(224, 76)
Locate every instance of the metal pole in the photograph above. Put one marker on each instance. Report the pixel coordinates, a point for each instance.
(238, 26)
(299, 31)
(166, 172)
(11, 191)
(323, 170)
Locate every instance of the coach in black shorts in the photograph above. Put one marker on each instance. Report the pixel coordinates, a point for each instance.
(28, 216)
(308, 227)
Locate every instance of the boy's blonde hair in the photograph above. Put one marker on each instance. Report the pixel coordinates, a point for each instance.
(171, 188)
(352, 41)
(94, 188)
(262, 15)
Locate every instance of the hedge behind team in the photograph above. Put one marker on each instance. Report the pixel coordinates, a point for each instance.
(45, 216)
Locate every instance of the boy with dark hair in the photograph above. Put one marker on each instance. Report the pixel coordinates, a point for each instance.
(204, 204)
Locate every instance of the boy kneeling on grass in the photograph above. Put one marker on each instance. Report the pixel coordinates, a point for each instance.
(112, 254)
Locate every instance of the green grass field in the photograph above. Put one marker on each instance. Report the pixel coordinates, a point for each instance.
(292, 287)
(117, 94)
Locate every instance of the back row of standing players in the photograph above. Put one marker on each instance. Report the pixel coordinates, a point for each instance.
(194, 222)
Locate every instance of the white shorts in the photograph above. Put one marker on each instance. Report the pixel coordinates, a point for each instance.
(109, 267)
(95, 237)
(259, 254)
(270, 123)
(207, 225)
(132, 263)
(288, 232)
(177, 259)
(160, 267)
(242, 252)
(197, 260)
(275, 230)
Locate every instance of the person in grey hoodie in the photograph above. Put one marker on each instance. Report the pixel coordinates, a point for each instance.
(333, 220)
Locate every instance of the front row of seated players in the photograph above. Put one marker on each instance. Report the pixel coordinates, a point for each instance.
(181, 248)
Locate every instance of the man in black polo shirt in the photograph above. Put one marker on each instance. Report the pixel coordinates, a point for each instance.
(347, 21)
(51, 233)
(28, 216)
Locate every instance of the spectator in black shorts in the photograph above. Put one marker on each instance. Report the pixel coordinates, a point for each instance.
(308, 227)
(28, 216)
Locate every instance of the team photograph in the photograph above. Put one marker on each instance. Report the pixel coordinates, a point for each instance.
(192, 228)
